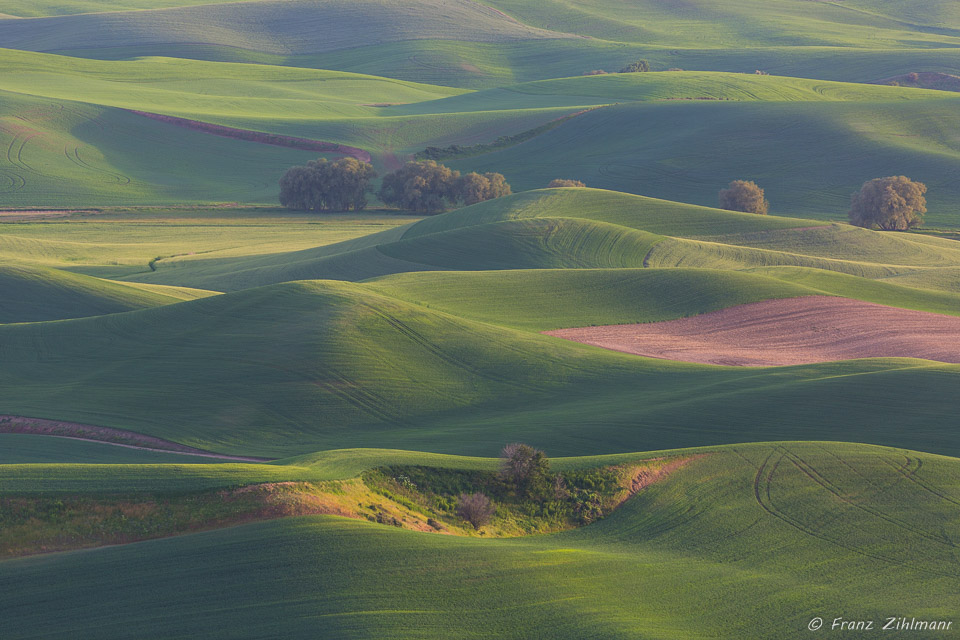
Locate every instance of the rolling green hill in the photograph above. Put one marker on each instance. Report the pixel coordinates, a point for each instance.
(790, 529)
(33, 294)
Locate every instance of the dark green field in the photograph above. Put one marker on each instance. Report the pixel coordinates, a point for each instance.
(209, 406)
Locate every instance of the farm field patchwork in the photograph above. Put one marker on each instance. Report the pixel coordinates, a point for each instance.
(221, 418)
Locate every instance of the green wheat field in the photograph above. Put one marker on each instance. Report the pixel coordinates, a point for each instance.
(220, 418)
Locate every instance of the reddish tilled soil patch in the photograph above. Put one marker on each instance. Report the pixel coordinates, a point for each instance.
(276, 140)
(785, 332)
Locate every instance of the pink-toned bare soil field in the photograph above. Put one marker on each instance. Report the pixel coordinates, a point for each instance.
(785, 332)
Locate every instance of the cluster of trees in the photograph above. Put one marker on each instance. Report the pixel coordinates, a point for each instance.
(327, 186)
(421, 186)
(428, 187)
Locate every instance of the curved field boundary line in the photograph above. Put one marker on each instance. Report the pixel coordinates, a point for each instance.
(107, 435)
(260, 137)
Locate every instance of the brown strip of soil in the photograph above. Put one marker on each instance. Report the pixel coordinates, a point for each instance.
(260, 137)
(107, 435)
(785, 332)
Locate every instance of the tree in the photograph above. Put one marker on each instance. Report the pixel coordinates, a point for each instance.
(476, 509)
(424, 186)
(562, 182)
(894, 203)
(473, 187)
(327, 186)
(744, 195)
(636, 67)
(526, 468)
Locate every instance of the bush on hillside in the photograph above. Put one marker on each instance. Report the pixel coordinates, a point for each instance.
(639, 66)
(476, 509)
(321, 185)
(894, 203)
(526, 469)
(428, 187)
(562, 182)
(595, 72)
(744, 195)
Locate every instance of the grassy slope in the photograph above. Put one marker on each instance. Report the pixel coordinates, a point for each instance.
(32, 294)
(21, 449)
(584, 228)
(670, 150)
(282, 27)
(545, 299)
(829, 525)
(301, 366)
(116, 243)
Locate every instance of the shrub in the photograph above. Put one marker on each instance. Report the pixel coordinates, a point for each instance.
(476, 509)
(636, 67)
(744, 195)
(321, 185)
(595, 72)
(562, 182)
(894, 203)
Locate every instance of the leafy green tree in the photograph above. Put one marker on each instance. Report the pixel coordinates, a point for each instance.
(639, 66)
(321, 185)
(894, 203)
(744, 195)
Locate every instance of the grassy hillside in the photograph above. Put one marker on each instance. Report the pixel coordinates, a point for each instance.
(688, 150)
(788, 528)
(282, 27)
(33, 294)
(302, 366)
(584, 228)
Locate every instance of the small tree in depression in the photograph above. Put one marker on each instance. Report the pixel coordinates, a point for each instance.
(526, 468)
(894, 203)
(476, 509)
(744, 195)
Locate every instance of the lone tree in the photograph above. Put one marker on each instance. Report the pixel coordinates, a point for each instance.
(526, 468)
(636, 67)
(321, 185)
(476, 509)
(895, 203)
(744, 195)
(563, 182)
(428, 187)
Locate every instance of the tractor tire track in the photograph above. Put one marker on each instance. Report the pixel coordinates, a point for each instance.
(761, 489)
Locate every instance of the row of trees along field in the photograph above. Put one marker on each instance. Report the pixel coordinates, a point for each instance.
(423, 186)
(894, 203)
